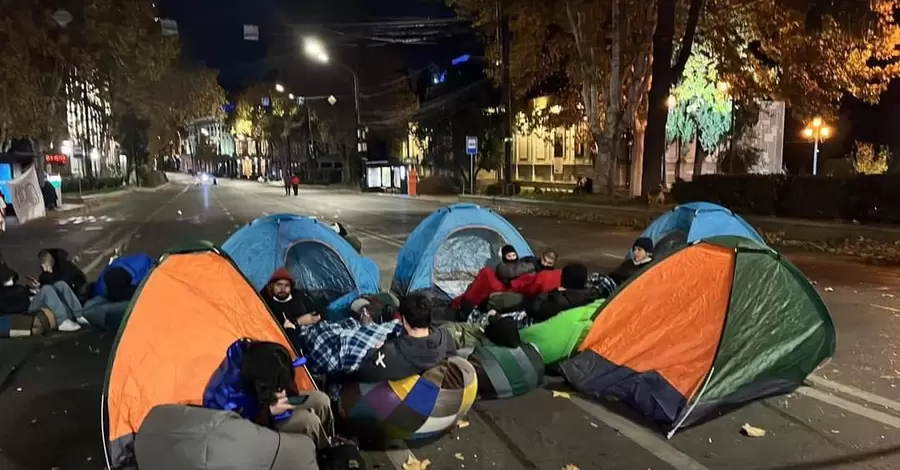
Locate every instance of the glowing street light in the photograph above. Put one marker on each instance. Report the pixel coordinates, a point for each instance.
(279, 88)
(816, 131)
(290, 96)
(314, 49)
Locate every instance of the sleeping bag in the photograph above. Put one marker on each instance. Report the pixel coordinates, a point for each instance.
(535, 284)
(558, 337)
(485, 284)
(137, 265)
(192, 438)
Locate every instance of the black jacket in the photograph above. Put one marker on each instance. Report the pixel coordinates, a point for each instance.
(64, 270)
(507, 271)
(547, 306)
(406, 356)
(291, 310)
(627, 270)
(14, 299)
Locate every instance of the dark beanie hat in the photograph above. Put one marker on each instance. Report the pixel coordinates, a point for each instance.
(645, 243)
(574, 276)
(507, 249)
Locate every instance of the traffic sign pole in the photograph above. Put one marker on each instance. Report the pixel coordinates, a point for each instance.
(472, 150)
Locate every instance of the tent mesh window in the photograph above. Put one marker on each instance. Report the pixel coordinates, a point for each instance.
(462, 255)
(319, 271)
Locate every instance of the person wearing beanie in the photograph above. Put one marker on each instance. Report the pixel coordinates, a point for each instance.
(573, 292)
(512, 267)
(641, 256)
(285, 302)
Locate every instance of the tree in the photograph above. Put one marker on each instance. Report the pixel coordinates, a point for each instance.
(868, 160)
(595, 52)
(810, 53)
(702, 110)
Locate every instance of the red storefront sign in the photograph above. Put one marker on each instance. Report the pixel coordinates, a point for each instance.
(57, 158)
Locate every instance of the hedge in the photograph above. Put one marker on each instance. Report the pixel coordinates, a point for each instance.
(70, 185)
(437, 186)
(864, 198)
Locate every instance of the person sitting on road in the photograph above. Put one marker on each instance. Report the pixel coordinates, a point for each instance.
(640, 258)
(546, 262)
(418, 348)
(115, 288)
(56, 267)
(574, 292)
(286, 302)
(345, 234)
(16, 299)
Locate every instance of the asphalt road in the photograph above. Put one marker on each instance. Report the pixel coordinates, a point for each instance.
(846, 420)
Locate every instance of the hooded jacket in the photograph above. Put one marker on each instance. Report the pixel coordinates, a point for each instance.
(290, 309)
(15, 298)
(121, 278)
(406, 356)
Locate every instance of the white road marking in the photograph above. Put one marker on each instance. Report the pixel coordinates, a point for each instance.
(124, 240)
(93, 229)
(874, 415)
(889, 309)
(649, 441)
(863, 395)
(610, 255)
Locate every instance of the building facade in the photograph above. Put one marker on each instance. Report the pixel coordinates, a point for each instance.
(93, 150)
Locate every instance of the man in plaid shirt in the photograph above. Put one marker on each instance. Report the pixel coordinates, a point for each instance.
(337, 348)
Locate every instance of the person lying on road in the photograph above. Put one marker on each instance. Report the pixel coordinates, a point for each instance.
(115, 288)
(574, 292)
(418, 348)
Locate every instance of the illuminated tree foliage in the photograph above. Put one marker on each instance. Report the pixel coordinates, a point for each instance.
(702, 105)
(597, 50)
(809, 53)
(869, 160)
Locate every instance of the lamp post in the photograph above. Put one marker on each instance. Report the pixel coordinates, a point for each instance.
(304, 101)
(315, 49)
(816, 131)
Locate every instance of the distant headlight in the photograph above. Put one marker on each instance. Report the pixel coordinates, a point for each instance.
(204, 177)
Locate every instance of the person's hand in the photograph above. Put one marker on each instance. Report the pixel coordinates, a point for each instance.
(46, 267)
(281, 404)
(379, 345)
(491, 312)
(288, 325)
(32, 283)
(309, 319)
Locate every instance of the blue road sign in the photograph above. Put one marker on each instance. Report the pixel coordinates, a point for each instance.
(471, 145)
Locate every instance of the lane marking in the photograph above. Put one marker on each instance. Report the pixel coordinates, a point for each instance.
(863, 395)
(651, 442)
(874, 415)
(121, 243)
(889, 309)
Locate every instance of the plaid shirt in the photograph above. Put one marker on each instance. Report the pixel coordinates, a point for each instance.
(339, 347)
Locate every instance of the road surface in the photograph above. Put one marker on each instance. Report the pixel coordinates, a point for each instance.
(846, 419)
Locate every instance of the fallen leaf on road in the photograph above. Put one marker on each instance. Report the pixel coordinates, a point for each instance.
(829, 289)
(751, 431)
(462, 424)
(459, 456)
(571, 467)
(565, 395)
(835, 431)
(413, 463)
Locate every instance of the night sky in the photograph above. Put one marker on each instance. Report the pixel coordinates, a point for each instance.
(211, 31)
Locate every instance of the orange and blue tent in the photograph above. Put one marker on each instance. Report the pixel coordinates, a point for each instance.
(714, 325)
(191, 307)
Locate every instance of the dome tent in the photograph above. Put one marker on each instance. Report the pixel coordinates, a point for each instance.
(729, 321)
(191, 307)
(700, 220)
(322, 263)
(448, 249)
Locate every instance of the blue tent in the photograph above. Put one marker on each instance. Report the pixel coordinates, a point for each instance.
(323, 264)
(700, 220)
(450, 246)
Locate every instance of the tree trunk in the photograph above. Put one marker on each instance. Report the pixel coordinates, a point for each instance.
(679, 158)
(664, 76)
(614, 100)
(699, 157)
(637, 160)
(660, 87)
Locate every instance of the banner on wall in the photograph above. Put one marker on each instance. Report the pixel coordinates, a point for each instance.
(26, 196)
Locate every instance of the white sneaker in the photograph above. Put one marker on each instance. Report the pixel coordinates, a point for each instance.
(69, 326)
(83, 321)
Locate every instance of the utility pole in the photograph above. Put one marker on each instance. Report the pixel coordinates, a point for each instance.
(503, 34)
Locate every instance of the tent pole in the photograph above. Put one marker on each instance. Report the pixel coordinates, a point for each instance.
(693, 405)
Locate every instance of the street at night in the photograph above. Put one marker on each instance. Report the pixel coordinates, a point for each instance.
(843, 418)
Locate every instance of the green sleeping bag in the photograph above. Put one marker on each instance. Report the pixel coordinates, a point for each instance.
(558, 337)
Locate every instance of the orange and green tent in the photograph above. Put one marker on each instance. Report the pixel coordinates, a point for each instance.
(185, 315)
(716, 324)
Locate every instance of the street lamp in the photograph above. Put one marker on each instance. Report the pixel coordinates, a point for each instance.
(315, 49)
(671, 101)
(279, 88)
(816, 131)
